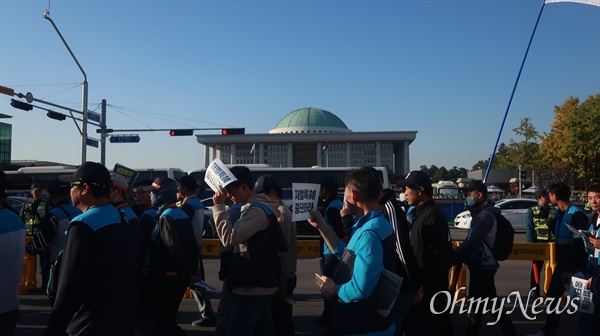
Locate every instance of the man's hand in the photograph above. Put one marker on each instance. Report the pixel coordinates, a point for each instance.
(30, 248)
(595, 242)
(329, 289)
(316, 220)
(220, 196)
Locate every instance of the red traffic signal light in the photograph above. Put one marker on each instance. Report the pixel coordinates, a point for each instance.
(179, 132)
(231, 131)
(21, 105)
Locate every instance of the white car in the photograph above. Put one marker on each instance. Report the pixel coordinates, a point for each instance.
(514, 209)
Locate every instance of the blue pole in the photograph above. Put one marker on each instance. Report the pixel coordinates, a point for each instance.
(487, 171)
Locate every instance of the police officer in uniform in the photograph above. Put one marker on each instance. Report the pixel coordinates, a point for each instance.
(32, 213)
(538, 231)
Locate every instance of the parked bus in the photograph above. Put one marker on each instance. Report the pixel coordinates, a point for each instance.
(19, 181)
(286, 176)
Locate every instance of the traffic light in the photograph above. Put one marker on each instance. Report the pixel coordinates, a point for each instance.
(56, 115)
(21, 105)
(231, 131)
(523, 175)
(178, 132)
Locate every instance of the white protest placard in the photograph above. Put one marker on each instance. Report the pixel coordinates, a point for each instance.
(578, 292)
(305, 196)
(217, 174)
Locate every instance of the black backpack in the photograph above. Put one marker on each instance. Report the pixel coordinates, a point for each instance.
(505, 237)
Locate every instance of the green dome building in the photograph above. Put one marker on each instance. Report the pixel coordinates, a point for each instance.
(309, 137)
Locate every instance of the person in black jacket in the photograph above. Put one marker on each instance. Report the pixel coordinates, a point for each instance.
(96, 280)
(430, 240)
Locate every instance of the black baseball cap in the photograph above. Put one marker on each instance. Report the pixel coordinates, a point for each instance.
(265, 183)
(415, 177)
(92, 173)
(58, 187)
(477, 185)
(36, 186)
(540, 193)
(188, 182)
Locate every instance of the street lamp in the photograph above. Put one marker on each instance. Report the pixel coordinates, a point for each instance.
(84, 93)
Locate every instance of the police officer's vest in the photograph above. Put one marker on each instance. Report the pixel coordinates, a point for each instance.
(32, 217)
(540, 226)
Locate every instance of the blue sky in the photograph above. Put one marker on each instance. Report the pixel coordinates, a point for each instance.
(443, 68)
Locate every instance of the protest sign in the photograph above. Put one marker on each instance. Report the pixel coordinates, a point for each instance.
(217, 174)
(304, 197)
(130, 174)
(584, 295)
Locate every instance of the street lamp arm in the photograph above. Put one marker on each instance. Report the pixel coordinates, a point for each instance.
(47, 17)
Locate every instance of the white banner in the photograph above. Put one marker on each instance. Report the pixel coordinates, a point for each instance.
(217, 174)
(305, 196)
(587, 2)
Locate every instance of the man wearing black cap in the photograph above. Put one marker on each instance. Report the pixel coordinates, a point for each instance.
(329, 196)
(175, 257)
(96, 280)
(282, 310)
(34, 209)
(32, 213)
(537, 230)
(52, 233)
(430, 240)
(476, 252)
(194, 208)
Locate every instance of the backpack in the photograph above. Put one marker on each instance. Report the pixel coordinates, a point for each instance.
(505, 237)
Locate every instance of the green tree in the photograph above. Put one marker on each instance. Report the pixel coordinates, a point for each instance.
(574, 139)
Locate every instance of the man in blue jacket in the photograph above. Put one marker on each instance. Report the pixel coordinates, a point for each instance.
(374, 245)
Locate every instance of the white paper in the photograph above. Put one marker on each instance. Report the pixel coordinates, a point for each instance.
(577, 233)
(578, 290)
(217, 174)
(305, 196)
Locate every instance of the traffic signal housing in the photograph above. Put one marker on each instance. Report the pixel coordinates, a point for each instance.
(21, 105)
(180, 132)
(523, 175)
(232, 131)
(56, 115)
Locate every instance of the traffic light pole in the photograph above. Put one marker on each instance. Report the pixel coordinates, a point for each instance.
(84, 91)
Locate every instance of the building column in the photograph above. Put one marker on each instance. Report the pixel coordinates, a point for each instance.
(233, 159)
(348, 154)
(406, 157)
(319, 153)
(261, 152)
(215, 154)
(290, 154)
(377, 153)
(206, 156)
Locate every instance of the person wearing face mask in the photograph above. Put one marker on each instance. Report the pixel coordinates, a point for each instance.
(431, 243)
(475, 251)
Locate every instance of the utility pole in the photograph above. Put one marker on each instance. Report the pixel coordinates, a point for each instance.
(84, 92)
(103, 134)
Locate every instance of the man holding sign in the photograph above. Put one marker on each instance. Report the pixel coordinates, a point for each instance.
(256, 239)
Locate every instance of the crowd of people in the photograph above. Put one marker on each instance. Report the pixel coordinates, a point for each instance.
(117, 260)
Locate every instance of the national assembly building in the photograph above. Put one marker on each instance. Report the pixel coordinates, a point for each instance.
(312, 137)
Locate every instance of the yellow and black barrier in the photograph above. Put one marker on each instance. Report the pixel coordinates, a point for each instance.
(28, 274)
(307, 249)
(521, 251)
